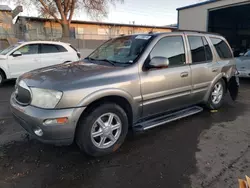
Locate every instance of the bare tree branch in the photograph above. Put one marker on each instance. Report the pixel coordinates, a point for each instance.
(47, 9)
(72, 9)
(67, 6)
(59, 6)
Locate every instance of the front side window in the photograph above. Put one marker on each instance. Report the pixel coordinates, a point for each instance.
(197, 49)
(222, 48)
(29, 49)
(171, 47)
(122, 50)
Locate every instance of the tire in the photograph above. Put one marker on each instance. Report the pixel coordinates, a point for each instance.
(213, 103)
(2, 78)
(94, 138)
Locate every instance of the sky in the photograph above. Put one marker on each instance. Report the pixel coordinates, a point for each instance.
(142, 12)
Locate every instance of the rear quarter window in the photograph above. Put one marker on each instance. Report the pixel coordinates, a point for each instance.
(222, 48)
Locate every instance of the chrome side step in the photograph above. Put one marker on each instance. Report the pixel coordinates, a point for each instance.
(149, 124)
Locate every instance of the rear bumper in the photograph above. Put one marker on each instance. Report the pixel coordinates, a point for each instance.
(32, 118)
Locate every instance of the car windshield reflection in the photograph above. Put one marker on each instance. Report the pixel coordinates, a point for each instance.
(122, 50)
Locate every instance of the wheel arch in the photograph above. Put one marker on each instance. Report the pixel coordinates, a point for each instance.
(119, 100)
(216, 79)
(118, 96)
(68, 61)
(2, 71)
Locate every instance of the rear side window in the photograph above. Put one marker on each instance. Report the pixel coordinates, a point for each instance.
(51, 48)
(200, 49)
(222, 48)
(171, 48)
(61, 48)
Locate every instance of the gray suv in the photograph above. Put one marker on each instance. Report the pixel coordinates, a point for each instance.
(138, 81)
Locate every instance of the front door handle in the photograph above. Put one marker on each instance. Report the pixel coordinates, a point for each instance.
(184, 74)
(214, 69)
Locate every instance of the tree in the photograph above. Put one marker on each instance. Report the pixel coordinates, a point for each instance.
(63, 10)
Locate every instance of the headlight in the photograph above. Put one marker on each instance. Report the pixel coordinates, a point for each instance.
(45, 98)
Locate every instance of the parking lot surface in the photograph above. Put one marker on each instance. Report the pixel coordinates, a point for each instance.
(210, 149)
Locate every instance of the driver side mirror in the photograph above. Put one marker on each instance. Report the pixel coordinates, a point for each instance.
(17, 53)
(158, 62)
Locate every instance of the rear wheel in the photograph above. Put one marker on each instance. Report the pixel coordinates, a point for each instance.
(103, 130)
(217, 95)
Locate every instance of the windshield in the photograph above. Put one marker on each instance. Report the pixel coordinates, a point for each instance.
(122, 50)
(7, 50)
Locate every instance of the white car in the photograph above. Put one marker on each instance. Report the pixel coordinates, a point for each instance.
(243, 65)
(26, 56)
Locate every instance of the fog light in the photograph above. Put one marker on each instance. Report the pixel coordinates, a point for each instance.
(38, 131)
(55, 121)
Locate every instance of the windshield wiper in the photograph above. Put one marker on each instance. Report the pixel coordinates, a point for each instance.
(106, 60)
(109, 61)
(89, 58)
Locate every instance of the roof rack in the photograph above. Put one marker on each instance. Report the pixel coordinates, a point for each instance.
(204, 32)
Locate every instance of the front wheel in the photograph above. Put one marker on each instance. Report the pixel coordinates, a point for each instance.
(217, 95)
(103, 130)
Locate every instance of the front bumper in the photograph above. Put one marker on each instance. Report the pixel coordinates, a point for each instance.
(32, 118)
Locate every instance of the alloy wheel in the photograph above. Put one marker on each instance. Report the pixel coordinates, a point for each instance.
(217, 93)
(106, 130)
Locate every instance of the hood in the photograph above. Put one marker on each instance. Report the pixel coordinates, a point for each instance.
(3, 57)
(66, 75)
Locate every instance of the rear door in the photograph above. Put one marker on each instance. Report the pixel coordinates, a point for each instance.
(52, 54)
(204, 67)
(227, 62)
(29, 60)
(166, 88)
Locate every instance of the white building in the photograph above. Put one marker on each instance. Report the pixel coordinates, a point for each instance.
(230, 18)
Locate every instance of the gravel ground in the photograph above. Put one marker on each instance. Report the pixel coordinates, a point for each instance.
(205, 150)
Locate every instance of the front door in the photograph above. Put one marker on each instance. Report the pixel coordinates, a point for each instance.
(166, 88)
(204, 67)
(29, 60)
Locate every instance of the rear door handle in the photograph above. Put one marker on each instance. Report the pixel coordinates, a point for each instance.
(214, 69)
(184, 74)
